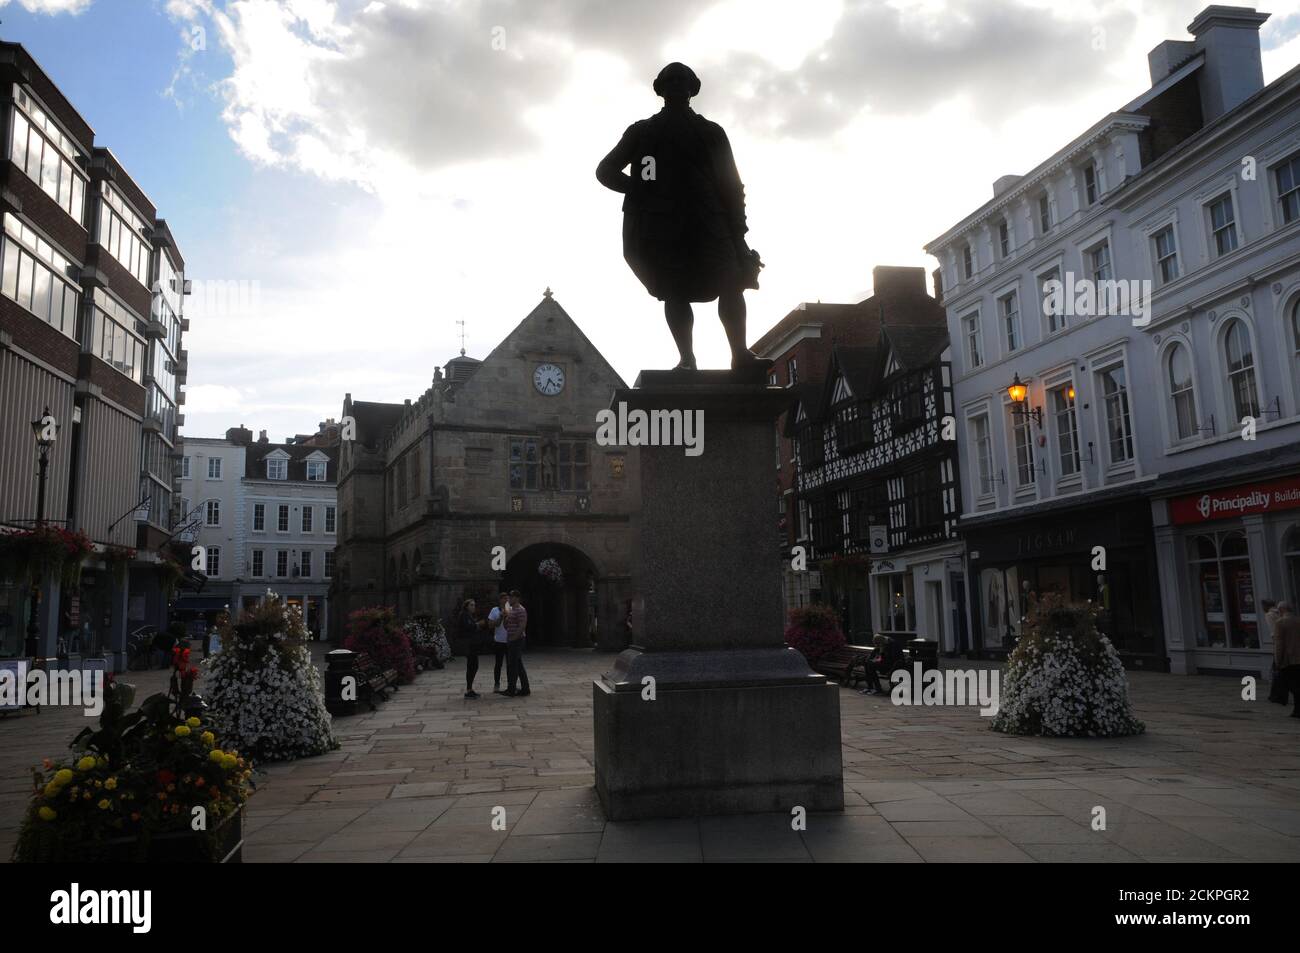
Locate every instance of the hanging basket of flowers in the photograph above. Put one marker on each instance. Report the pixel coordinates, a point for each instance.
(43, 551)
(550, 570)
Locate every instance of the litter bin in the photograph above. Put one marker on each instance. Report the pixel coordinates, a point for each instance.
(924, 651)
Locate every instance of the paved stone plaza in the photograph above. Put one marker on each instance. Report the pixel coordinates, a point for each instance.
(1214, 779)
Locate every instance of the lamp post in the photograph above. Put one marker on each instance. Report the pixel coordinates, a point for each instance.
(1018, 392)
(45, 429)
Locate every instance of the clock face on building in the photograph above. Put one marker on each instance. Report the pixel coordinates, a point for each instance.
(548, 379)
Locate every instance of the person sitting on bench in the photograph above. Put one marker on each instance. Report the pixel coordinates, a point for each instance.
(883, 660)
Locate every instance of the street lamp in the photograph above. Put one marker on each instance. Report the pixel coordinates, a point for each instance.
(1017, 391)
(45, 430)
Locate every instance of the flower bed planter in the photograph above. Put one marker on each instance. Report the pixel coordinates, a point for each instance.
(172, 847)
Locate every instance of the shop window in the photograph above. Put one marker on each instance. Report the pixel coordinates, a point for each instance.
(1221, 575)
(896, 602)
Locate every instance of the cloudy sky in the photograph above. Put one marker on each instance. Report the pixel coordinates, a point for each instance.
(374, 172)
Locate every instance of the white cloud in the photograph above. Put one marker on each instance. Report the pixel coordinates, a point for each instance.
(51, 6)
(476, 166)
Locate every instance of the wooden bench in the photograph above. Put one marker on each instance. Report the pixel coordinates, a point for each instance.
(841, 663)
(373, 681)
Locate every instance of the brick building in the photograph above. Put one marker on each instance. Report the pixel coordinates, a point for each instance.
(498, 452)
(91, 291)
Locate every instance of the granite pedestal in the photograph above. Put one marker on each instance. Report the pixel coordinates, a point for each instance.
(710, 712)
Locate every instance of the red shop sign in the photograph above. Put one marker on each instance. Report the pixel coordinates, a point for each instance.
(1244, 500)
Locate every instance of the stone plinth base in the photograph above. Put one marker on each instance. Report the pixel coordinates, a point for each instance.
(731, 732)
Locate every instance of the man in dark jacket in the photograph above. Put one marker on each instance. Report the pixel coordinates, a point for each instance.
(684, 214)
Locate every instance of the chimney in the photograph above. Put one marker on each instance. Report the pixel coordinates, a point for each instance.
(1229, 37)
(897, 280)
(938, 285)
(240, 435)
(261, 436)
(1167, 56)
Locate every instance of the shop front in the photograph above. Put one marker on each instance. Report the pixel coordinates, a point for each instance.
(1101, 552)
(922, 594)
(1223, 551)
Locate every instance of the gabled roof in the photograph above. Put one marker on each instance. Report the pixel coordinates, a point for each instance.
(915, 345)
(808, 400)
(549, 308)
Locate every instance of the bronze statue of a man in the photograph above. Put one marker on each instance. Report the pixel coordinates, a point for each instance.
(684, 214)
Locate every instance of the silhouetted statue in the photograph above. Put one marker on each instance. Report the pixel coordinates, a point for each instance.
(684, 214)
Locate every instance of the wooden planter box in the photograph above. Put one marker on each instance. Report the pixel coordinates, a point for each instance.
(180, 847)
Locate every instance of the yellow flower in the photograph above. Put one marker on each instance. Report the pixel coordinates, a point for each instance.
(47, 813)
(63, 776)
(111, 784)
(208, 738)
(193, 722)
(103, 804)
(216, 756)
(52, 789)
(182, 731)
(86, 763)
(229, 761)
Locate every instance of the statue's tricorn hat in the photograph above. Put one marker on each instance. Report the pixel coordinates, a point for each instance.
(678, 71)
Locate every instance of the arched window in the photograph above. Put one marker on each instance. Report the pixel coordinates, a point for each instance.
(1182, 397)
(1240, 359)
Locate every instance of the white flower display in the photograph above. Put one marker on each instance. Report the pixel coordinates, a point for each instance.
(266, 695)
(1065, 679)
(427, 632)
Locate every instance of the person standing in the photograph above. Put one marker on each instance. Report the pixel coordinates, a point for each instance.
(500, 638)
(1286, 652)
(467, 632)
(1277, 690)
(516, 632)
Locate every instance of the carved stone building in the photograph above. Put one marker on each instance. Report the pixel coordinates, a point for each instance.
(496, 453)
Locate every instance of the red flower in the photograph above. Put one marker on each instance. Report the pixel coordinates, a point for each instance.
(166, 776)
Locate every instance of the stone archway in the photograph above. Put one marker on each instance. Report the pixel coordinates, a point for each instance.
(559, 614)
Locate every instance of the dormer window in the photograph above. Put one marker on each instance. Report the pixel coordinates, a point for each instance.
(316, 471)
(967, 261)
(277, 469)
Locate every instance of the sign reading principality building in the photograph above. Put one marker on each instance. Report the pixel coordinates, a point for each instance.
(1244, 500)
